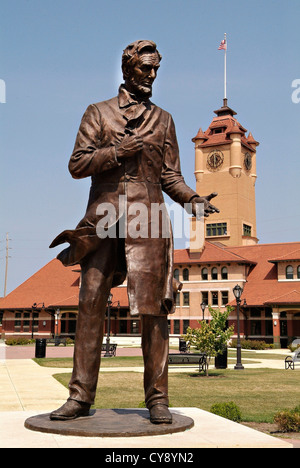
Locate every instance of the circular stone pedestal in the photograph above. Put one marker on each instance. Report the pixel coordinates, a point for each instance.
(109, 423)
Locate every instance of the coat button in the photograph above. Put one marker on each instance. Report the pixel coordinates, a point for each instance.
(148, 179)
(151, 147)
(149, 162)
(127, 177)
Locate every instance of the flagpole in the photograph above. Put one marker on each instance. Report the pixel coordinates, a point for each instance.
(225, 72)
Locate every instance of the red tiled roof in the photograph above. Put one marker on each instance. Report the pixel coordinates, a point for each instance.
(200, 135)
(211, 253)
(295, 255)
(53, 285)
(230, 125)
(292, 297)
(262, 283)
(251, 140)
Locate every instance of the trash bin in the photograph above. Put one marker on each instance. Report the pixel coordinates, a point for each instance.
(40, 348)
(182, 345)
(221, 360)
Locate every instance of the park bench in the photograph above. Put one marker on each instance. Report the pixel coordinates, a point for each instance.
(112, 349)
(190, 358)
(57, 341)
(291, 361)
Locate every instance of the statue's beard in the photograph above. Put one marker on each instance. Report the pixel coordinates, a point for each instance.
(139, 89)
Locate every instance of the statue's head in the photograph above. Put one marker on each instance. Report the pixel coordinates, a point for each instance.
(140, 62)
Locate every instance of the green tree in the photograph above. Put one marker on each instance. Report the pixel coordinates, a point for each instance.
(212, 337)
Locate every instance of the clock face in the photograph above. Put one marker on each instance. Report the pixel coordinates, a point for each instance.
(248, 161)
(215, 159)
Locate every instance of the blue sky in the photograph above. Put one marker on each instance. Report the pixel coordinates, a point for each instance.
(57, 57)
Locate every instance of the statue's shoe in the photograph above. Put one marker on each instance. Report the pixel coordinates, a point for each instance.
(72, 409)
(160, 414)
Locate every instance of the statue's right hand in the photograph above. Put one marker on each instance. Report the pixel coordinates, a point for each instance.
(129, 146)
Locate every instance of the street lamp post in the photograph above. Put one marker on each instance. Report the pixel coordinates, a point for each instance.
(33, 309)
(109, 303)
(238, 291)
(203, 306)
(56, 317)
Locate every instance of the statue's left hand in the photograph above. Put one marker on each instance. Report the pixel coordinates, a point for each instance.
(207, 206)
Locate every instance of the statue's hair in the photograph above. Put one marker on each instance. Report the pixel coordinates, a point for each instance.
(135, 50)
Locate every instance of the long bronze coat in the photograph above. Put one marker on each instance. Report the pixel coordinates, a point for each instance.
(141, 179)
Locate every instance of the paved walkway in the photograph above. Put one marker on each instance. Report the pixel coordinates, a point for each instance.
(27, 389)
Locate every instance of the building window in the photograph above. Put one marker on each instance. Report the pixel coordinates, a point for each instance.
(289, 272)
(215, 300)
(224, 273)
(214, 273)
(268, 312)
(247, 230)
(204, 274)
(176, 274)
(218, 130)
(186, 274)
(176, 327)
(122, 327)
(178, 299)
(68, 323)
(26, 321)
(36, 321)
(18, 317)
(205, 297)
(186, 324)
(216, 229)
(186, 298)
(269, 327)
(134, 327)
(298, 271)
(255, 327)
(224, 297)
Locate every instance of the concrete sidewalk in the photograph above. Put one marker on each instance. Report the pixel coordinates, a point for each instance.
(26, 389)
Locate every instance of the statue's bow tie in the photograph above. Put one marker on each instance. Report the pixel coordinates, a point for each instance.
(135, 111)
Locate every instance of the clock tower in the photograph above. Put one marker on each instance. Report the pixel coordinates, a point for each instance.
(225, 162)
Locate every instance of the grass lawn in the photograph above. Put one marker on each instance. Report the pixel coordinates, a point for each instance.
(259, 393)
(122, 361)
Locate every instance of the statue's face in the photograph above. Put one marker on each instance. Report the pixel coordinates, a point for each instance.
(142, 75)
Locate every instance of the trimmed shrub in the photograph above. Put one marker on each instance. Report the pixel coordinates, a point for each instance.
(253, 344)
(227, 410)
(288, 420)
(18, 341)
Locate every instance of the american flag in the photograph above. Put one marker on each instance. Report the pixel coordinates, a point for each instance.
(223, 45)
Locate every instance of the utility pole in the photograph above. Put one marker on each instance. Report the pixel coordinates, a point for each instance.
(6, 263)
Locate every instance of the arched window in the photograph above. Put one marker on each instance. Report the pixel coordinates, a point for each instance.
(176, 274)
(204, 274)
(214, 273)
(289, 272)
(186, 274)
(298, 271)
(224, 273)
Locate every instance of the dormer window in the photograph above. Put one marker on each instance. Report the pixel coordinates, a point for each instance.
(218, 130)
